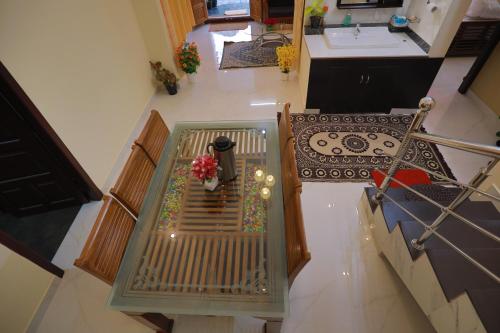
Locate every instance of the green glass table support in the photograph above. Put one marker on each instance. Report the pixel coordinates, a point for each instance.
(209, 253)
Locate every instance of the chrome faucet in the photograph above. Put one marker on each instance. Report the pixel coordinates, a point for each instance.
(357, 30)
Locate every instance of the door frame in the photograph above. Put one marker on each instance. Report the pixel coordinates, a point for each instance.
(222, 19)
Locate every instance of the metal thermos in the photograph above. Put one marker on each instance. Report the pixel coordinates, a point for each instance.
(224, 154)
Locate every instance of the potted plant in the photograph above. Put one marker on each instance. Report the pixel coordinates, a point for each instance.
(204, 168)
(166, 77)
(316, 12)
(188, 59)
(286, 56)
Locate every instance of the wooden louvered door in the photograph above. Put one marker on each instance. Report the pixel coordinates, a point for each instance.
(200, 11)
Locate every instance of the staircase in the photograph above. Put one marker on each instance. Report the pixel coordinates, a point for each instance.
(455, 295)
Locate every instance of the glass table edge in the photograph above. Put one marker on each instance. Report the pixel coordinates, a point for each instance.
(153, 198)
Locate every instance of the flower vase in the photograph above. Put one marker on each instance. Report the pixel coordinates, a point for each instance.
(285, 76)
(171, 88)
(316, 21)
(191, 77)
(211, 184)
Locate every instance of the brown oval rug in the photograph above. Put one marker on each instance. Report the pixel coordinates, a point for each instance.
(246, 54)
(347, 147)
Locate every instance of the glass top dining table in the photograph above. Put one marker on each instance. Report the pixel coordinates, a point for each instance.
(199, 252)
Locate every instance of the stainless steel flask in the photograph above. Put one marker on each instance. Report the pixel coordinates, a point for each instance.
(223, 152)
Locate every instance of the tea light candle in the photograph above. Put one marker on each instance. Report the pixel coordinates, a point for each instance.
(259, 176)
(265, 193)
(270, 181)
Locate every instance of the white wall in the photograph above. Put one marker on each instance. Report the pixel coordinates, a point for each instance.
(23, 286)
(437, 28)
(84, 64)
(154, 31)
(448, 26)
(380, 15)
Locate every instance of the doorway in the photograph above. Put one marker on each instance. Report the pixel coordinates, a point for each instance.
(228, 8)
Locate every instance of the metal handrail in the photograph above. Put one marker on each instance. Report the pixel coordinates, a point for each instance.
(443, 177)
(414, 132)
(447, 242)
(476, 148)
(444, 209)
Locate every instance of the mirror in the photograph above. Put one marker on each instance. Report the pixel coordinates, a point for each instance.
(354, 4)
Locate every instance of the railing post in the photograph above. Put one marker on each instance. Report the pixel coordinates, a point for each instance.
(424, 106)
(464, 194)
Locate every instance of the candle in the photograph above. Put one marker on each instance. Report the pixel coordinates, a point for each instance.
(259, 176)
(270, 181)
(265, 193)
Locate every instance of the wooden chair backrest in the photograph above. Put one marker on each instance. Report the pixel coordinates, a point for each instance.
(296, 244)
(153, 137)
(106, 244)
(132, 184)
(285, 128)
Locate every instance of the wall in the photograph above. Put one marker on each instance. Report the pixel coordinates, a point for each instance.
(84, 64)
(438, 28)
(154, 31)
(23, 286)
(430, 21)
(485, 85)
(380, 15)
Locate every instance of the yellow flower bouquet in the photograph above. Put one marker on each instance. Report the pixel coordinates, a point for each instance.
(286, 57)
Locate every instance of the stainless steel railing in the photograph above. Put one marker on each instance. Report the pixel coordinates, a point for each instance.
(414, 133)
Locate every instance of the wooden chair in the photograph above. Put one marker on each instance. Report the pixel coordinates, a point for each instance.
(133, 182)
(153, 137)
(285, 128)
(104, 249)
(296, 245)
(103, 252)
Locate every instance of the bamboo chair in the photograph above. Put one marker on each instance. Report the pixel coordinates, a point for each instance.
(104, 249)
(153, 137)
(285, 128)
(296, 246)
(133, 182)
(103, 252)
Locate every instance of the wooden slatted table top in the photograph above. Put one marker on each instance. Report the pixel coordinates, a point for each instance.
(214, 253)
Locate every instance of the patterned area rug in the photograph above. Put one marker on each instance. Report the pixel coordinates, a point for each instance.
(244, 54)
(346, 148)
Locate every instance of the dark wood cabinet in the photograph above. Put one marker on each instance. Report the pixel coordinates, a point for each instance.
(369, 85)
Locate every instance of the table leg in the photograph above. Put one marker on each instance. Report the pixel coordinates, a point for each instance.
(155, 321)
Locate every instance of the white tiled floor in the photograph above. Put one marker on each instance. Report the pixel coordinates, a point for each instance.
(346, 287)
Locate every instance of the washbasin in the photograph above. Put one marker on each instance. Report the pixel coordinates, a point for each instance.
(368, 37)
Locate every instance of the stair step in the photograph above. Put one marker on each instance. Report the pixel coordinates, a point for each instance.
(472, 210)
(456, 274)
(439, 193)
(487, 302)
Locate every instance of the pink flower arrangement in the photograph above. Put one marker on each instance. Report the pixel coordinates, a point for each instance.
(204, 167)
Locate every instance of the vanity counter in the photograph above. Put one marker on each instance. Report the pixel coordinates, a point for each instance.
(410, 45)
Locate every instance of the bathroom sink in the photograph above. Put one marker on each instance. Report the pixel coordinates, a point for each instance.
(368, 37)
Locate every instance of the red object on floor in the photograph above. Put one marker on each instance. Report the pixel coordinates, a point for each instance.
(408, 177)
